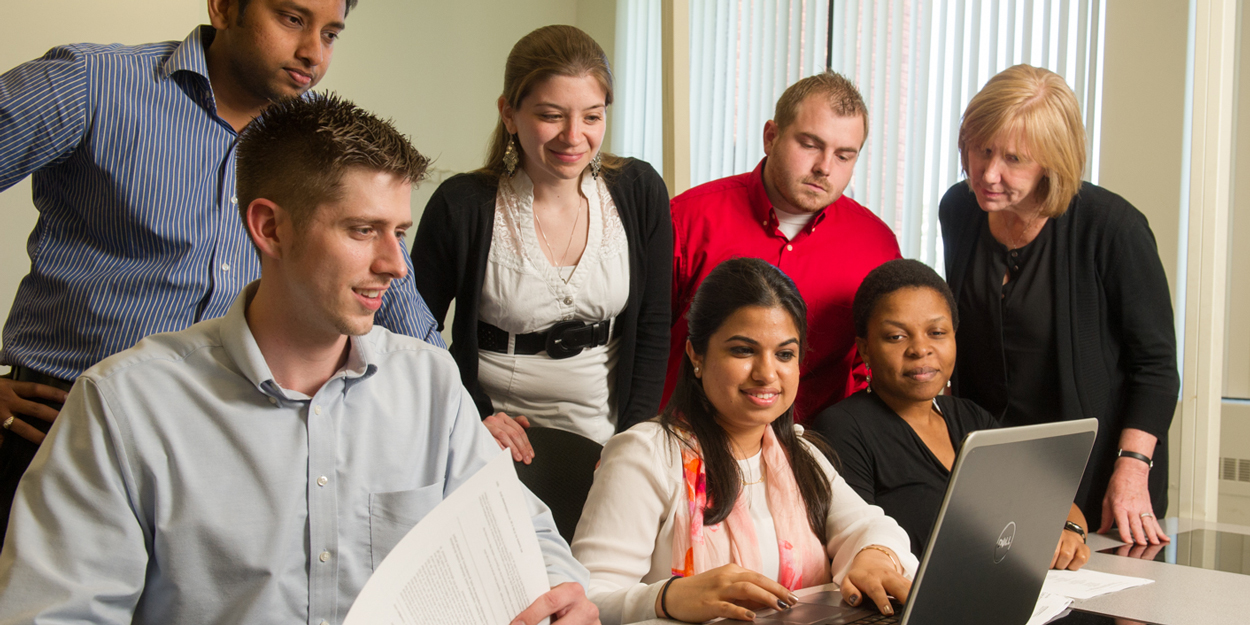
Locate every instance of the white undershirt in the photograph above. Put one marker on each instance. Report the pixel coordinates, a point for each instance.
(791, 224)
(757, 502)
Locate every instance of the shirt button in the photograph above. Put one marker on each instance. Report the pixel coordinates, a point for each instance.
(325, 556)
(568, 301)
(225, 266)
(1015, 253)
(789, 248)
(764, 223)
(323, 480)
(234, 199)
(317, 409)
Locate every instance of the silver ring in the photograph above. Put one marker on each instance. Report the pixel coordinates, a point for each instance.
(1147, 515)
(7, 423)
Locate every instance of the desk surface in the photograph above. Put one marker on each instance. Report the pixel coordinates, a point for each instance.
(1181, 595)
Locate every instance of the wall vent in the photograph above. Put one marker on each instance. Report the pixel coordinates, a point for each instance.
(1235, 469)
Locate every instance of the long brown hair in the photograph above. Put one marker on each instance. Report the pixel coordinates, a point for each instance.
(735, 284)
(556, 50)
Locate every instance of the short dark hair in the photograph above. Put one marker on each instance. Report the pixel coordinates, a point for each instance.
(297, 151)
(889, 277)
(351, 4)
(733, 285)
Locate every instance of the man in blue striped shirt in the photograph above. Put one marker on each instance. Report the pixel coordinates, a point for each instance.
(131, 153)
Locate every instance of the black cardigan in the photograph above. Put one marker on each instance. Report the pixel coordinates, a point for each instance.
(1113, 317)
(450, 255)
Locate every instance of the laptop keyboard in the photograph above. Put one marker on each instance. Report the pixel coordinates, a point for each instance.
(876, 619)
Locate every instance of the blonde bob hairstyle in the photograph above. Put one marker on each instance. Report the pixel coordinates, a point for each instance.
(557, 50)
(1036, 106)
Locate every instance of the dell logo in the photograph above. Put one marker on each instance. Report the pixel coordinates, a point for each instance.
(1003, 545)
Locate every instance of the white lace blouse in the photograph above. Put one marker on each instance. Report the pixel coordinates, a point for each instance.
(522, 292)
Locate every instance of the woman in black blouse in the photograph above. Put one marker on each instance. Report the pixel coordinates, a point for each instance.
(1066, 308)
(896, 440)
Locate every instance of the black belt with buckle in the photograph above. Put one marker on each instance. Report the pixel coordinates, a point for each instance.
(562, 340)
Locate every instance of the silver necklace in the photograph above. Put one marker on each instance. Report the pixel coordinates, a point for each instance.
(560, 263)
(1028, 226)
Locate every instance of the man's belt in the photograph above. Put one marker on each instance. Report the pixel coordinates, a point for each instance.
(562, 340)
(26, 374)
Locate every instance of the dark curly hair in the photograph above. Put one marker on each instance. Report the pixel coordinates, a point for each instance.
(894, 275)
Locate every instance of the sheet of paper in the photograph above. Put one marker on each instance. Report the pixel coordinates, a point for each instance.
(1048, 608)
(474, 559)
(1087, 584)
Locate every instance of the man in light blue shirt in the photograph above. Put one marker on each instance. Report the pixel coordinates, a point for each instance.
(256, 468)
(131, 154)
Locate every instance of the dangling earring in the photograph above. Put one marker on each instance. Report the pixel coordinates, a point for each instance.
(510, 158)
(596, 164)
(869, 369)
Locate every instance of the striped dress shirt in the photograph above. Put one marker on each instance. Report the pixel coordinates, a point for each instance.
(133, 174)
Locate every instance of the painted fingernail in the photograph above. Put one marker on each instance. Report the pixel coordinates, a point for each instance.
(782, 605)
(750, 616)
(888, 610)
(794, 599)
(854, 600)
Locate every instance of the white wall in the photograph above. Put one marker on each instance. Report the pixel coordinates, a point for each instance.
(1143, 122)
(434, 67)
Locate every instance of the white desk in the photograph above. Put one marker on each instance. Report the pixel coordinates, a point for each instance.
(1181, 595)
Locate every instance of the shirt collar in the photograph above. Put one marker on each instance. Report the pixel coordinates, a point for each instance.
(189, 56)
(762, 207)
(240, 345)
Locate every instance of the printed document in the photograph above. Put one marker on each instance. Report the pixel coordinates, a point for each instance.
(1087, 584)
(474, 559)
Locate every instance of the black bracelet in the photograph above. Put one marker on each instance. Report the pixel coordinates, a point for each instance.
(1124, 453)
(664, 596)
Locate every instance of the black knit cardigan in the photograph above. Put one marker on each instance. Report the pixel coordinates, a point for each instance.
(1113, 316)
(450, 254)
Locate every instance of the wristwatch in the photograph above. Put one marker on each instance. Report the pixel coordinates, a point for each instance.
(1073, 527)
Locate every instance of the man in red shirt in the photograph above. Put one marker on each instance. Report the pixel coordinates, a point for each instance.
(791, 212)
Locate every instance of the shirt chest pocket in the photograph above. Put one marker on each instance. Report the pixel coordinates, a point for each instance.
(392, 514)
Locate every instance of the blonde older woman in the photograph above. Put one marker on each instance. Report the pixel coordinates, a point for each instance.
(1064, 304)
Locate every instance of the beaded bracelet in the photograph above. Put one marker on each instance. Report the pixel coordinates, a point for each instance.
(893, 558)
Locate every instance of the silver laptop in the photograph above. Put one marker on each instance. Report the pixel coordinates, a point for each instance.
(995, 535)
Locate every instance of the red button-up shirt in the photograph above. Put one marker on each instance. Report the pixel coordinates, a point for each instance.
(732, 217)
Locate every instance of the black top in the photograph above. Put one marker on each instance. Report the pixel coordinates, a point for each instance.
(450, 251)
(884, 460)
(1115, 339)
(1008, 357)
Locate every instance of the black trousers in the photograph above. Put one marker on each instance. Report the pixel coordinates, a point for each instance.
(17, 452)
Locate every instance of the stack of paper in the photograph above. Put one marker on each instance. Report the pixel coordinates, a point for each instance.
(1062, 587)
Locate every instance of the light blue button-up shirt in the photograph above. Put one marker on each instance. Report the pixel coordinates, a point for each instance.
(182, 484)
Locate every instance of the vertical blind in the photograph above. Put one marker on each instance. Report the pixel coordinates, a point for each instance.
(916, 62)
(636, 117)
(919, 62)
(743, 54)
